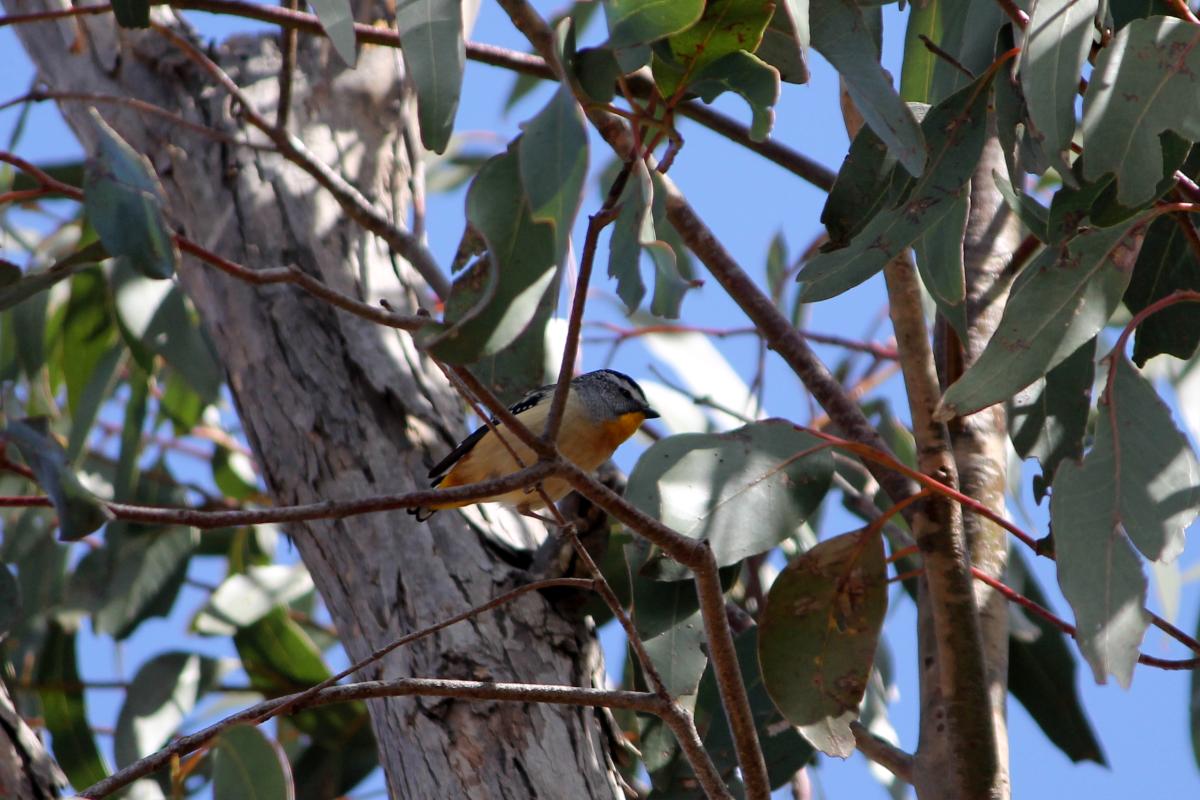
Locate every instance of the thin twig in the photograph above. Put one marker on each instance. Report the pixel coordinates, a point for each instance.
(645, 702)
(596, 223)
(287, 66)
(883, 752)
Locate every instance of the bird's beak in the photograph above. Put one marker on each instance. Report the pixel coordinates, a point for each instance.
(650, 413)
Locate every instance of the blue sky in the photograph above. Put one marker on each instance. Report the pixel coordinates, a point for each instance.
(747, 201)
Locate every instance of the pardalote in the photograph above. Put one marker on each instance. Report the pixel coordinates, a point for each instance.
(604, 408)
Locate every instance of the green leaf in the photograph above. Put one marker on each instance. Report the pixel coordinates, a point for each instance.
(866, 182)
(96, 391)
(786, 41)
(633, 228)
(842, 35)
(744, 74)
(673, 270)
(88, 334)
(1145, 82)
(818, 635)
(181, 403)
(331, 767)
(1041, 673)
(249, 766)
(1166, 264)
(1098, 570)
(233, 473)
(337, 19)
(132, 13)
(10, 601)
(1126, 11)
(492, 302)
(1058, 303)
(31, 283)
(597, 70)
(920, 64)
(147, 571)
(553, 155)
(79, 511)
(243, 599)
(156, 318)
(1057, 41)
(784, 749)
(955, 131)
(1048, 419)
(967, 31)
(743, 491)
(1154, 486)
(160, 697)
(431, 37)
(726, 26)
(1034, 216)
(635, 22)
(939, 251)
(123, 201)
(65, 710)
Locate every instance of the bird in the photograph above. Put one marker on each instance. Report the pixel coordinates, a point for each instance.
(604, 408)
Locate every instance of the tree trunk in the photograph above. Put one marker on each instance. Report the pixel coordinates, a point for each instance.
(27, 772)
(338, 408)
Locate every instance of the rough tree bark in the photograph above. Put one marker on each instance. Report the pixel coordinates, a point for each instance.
(336, 407)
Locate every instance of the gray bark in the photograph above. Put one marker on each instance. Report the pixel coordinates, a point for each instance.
(27, 772)
(338, 408)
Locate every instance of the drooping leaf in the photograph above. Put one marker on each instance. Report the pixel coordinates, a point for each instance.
(1048, 419)
(967, 32)
(786, 41)
(919, 65)
(1167, 263)
(123, 201)
(679, 654)
(635, 22)
(1058, 303)
(79, 511)
(431, 37)
(65, 710)
(156, 318)
(748, 76)
(492, 302)
(841, 34)
(1126, 11)
(1056, 46)
(554, 158)
(939, 252)
(88, 333)
(147, 571)
(337, 19)
(743, 491)
(244, 598)
(1041, 673)
(867, 182)
(1034, 216)
(160, 697)
(633, 227)
(818, 636)
(1155, 477)
(1098, 570)
(233, 473)
(249, 766)
(954, 131)
(30, 283)
(95, 392)
(673, 269)
(1145, 82)
(597, 70)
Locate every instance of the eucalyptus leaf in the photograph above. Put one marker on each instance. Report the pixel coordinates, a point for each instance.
(1058, 303)
(1146, 81)
(79, 511)
(249, 766)
(553, 155)
(160, 698)
(841, 34)
(494, 300)
(636, 22)
(743, 491)
(431, 38)
(818, 635)
(123, 201)
(337, 19)
(64, 709)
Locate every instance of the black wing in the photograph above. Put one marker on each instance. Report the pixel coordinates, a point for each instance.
(439, 470)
